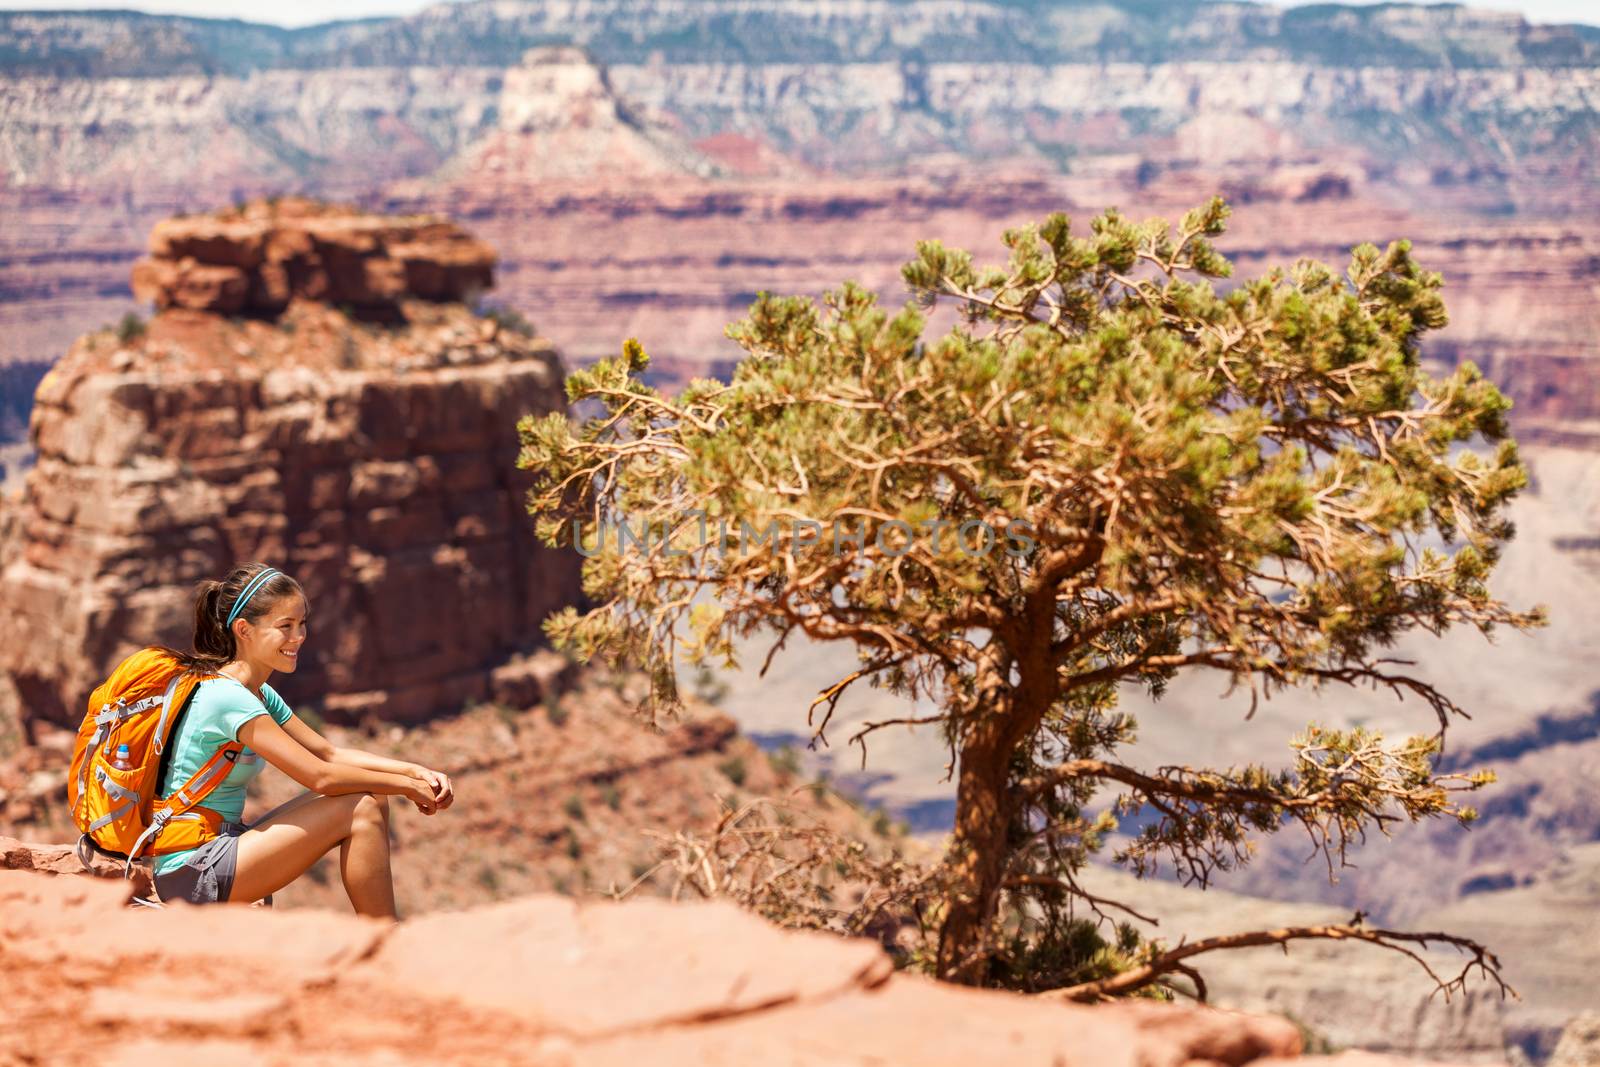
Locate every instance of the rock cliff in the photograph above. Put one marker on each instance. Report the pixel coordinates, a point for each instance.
(556, 116)
(674, 263)
(534, 980)
(313, 393)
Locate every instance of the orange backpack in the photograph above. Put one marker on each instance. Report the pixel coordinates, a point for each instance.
(117, 763)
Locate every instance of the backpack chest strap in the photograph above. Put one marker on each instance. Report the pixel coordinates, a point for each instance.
(119, 711)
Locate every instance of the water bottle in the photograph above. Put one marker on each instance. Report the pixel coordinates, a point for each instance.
(123, 762)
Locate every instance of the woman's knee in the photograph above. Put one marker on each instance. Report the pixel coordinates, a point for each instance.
(372, 809)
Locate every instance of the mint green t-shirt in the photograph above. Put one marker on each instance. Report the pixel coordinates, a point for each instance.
(219, 707)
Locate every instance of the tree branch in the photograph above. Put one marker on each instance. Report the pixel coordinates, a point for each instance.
(1482, 959)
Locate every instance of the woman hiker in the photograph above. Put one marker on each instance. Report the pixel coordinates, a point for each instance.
(247, 626)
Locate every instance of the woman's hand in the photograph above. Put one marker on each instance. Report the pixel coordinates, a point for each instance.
(443, 792)
(420, 793)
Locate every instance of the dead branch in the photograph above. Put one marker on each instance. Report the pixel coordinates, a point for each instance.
(1482, 960)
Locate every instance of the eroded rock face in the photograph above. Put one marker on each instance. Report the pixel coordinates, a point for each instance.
(374, 462)
(262, 256)
(558, 117)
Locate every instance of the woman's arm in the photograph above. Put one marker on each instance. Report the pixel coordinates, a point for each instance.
(320, 775)
(354, 757)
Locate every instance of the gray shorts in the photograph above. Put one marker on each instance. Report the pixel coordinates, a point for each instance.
(206, 876)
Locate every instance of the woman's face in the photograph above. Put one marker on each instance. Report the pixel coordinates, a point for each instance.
(273, 640)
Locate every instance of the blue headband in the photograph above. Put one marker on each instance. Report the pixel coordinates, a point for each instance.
(249, 591)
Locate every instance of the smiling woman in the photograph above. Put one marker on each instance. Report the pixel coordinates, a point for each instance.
(247, 626)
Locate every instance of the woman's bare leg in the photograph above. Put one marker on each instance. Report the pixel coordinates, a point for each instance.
(282, 809)
(286, 807)
(283, 846)
(364, 860)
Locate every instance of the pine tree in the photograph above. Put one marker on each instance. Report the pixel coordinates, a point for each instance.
(1103, 472)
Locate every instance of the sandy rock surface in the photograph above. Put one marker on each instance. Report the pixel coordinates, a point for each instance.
(537, 980)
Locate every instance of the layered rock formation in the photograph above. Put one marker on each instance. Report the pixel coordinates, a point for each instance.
(257, 260)
(1404, 36)
(592, 182)
(679, 262)
(557, 117)
(535, 981)
(1335, 126)
(374, 461)
(859, 87)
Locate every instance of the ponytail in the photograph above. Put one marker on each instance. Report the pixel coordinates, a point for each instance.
(213, 644)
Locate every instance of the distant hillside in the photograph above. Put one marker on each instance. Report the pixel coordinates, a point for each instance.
(495, 33)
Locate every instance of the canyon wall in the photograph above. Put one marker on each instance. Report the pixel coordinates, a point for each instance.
(356, 129)
(729, 148)
(828, 31)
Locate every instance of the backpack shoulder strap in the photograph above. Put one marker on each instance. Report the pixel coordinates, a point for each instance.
(175, 707)
(201, 784)
(189, 795)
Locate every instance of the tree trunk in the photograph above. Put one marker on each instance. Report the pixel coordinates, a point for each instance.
(1005, 714)
(977, 854)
